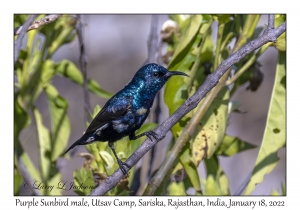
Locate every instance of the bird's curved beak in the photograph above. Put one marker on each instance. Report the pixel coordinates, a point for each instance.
(172, 73)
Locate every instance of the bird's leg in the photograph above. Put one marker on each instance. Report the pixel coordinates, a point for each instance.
(121, 164)
(149, 134)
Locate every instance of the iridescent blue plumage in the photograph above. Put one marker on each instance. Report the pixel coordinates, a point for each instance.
(127, 110)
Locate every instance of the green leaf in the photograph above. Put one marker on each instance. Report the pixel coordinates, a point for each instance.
(186, 40)
(281, 40)
(190, 168)
(17, 181)
(108, 159)
(32, 170)
(85, 178)
(224, 18)
(178, 89)
(31, 74)
(181, 20)
(230, 30)
(69, 70)
(211, 186)
(44, 143)
(62, 31)
(176, 189)
(95, 88)
(41, 77)
(176, 92)
(275, 132)
(97, 109)
(60, 123)
(21, 121)
(212, 128)
(19, 20)
(275, 193)
(217, 182)
(232, 145)
(54, 182)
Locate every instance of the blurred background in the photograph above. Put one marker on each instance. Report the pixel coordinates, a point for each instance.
(116, 47)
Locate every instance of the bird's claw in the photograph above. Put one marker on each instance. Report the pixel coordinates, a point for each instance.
(122, 164)
(151, 134)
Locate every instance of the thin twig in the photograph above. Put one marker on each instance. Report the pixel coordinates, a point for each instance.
(247, 65)
(152, 40)
(38, 23)
(271, 19)
(210, 82)
(83, 63)
(22, 32)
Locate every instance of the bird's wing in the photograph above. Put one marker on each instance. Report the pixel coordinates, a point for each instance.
(113, 109)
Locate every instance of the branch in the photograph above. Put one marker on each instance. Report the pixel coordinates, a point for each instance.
(22, 32)
(83, 62)
(211, 81)
(38, 23)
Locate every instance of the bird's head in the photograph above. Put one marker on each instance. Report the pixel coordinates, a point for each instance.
(153, 76)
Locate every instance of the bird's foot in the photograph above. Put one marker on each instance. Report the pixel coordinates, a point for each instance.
(152, 134)
(121, 165)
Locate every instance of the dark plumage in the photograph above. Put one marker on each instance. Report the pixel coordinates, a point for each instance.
(127, 110)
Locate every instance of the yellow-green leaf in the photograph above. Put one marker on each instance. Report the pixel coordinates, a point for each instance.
(54, 181)
(281, 40)
(17, 181)
(232, 145)
(190, 168)
(44, 143)
(275, 131)
(60, 123)
(63, 30)
(85, 178)
(32, 170)
(107, 159)
(21, 121)
(212, 128)
(176, 189)
(69, 70)
(186, 40)
(217, 182)
(211, 186)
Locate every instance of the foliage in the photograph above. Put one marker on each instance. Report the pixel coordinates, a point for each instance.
(191, 49)
(34, 72)
(195, 54)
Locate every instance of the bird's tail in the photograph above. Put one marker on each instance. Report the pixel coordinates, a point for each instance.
(81, 141)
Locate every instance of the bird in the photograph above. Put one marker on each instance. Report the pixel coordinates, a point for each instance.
(126, 111)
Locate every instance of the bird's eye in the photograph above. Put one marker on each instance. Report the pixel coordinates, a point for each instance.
(156, 74)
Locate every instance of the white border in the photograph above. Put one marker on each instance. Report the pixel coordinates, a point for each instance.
(150, 7)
